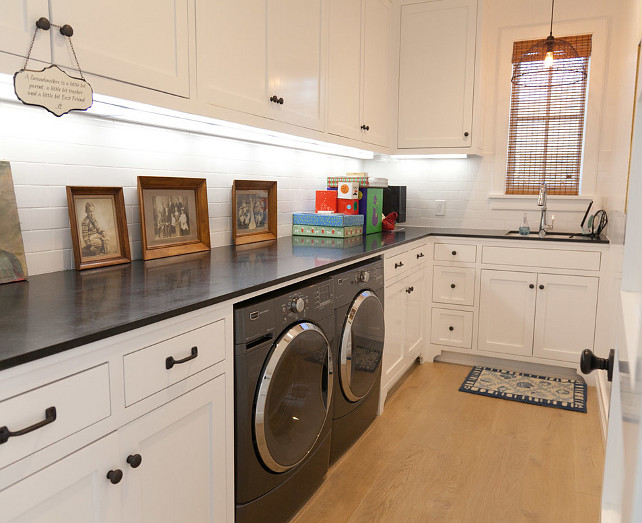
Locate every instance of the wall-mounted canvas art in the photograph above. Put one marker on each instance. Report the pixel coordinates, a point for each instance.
(13, 263)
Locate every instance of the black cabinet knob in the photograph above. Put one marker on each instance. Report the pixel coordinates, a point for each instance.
(589, 362)
(541, 287)
(452, 285)
(66, 30)
(134, 460)
(466, 134)
(43, 23)
(531, 286)
(114, 476)
(454, 253)
(451, 328)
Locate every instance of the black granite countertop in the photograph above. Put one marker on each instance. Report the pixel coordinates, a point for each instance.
(54, 312)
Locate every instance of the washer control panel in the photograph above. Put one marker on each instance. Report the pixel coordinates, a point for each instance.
(309, 300)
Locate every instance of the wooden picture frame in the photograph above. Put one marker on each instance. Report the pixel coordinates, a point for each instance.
(253, 211)
(98, 226)
(173, 216)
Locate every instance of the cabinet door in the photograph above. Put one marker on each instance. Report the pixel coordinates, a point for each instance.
(143, 43)
(72, 490)
(395, 317)
(565, 318)
(344, 68)
(376, 73)
(507, 311)
(17, 25)
(294, 61)
(231, 54)
(436, 73)
(416, 318)
(182, 476)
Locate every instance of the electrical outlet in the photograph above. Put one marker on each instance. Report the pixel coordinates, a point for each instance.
(440, 209)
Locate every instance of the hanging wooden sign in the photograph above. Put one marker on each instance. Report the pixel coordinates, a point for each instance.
(53, 89)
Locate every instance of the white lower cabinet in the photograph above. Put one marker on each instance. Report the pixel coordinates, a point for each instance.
(72, 490)
(452, 327)
(549, 316)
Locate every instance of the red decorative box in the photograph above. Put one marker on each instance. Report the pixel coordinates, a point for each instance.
(326, 201)
(347, 206)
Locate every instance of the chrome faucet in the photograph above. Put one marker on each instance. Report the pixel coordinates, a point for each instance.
(541, 201)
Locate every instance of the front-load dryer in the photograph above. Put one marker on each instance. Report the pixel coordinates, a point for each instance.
(283, 384)
(358, 352)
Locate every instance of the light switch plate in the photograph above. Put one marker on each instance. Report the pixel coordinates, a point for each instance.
(440, 209)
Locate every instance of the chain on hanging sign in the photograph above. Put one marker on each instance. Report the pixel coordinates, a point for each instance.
(52, 88)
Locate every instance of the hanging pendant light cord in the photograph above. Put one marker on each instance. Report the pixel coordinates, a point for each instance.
(552, 7)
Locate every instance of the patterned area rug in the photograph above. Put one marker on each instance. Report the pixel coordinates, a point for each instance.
(559, 393)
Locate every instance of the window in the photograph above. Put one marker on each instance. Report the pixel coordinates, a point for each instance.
(546, 130)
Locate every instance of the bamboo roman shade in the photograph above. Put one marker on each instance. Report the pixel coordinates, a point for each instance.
(546, 131)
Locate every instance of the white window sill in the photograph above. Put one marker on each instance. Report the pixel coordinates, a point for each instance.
(528, 202)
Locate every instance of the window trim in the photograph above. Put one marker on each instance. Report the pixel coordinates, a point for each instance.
(598, 27)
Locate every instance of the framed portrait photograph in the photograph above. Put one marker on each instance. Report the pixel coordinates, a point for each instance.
(173, 216)
(98, 226)
(253, 211)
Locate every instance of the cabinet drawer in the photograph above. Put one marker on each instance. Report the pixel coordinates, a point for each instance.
(553, 258)
(147, 372)
(417, 256)
(453, 285)
(455, 252)
(79, 400)
(452, 328)
(396, 264)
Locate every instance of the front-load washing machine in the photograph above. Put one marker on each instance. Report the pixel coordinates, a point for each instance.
(358, 352)
(283, 383)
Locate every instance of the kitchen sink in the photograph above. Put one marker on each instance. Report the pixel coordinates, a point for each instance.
(551, 235)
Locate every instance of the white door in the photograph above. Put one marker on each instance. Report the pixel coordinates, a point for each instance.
(416, 317)
(565, 316)
(344, 68)
(376, 72)
(395, 318)
(507, 312)
(73, 490)
(294, 61)
(436, 72)
(182, 472)
(17, 26)
(231, 54)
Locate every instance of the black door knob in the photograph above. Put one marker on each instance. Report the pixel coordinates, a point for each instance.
(531, 286)
(43, 23)
(451, 328)
(67, 30)
(114, 476)
(134, 460)
(454, 253)
(466, 134)
(452, 285)
(541, 287)
(589, 362)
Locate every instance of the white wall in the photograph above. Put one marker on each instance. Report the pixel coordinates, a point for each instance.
(49, 153)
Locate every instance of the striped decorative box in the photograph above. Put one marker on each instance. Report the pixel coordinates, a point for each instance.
(362, 179)
(327, 231)
(329, 220)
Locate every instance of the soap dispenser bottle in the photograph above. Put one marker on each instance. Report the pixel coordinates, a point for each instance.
(524, 229)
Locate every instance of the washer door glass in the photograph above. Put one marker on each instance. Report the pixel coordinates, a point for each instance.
(294, 397)
(361, 347)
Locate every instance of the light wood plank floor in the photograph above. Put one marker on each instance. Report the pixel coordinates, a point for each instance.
(437, 454)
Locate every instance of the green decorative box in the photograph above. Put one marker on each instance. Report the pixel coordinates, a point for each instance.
(361, 179)
(371, 207)
(327, 231)
(329, 220)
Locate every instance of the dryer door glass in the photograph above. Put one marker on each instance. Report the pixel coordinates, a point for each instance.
(294, 397)
(361, 346)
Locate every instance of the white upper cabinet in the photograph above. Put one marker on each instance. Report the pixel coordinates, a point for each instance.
(262, 57)
(145, 43)
(358, 91)
(17, 25)
(436, 74)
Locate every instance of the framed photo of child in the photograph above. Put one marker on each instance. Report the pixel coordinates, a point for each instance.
(253, 211)
(173, 216)
(98, 226)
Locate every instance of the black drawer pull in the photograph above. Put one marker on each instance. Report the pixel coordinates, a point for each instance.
(410, 289)
(420, 255)
(170, 361)
(452, 285)
(454, 253)
(50, 417)
(114, 476)
(397, 265)
(134, 460)
(451, 328)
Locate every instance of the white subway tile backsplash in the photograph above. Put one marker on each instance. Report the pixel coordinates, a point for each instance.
(37, 241)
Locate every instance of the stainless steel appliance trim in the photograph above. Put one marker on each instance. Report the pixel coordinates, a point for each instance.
(280, 349)
(345, 353)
